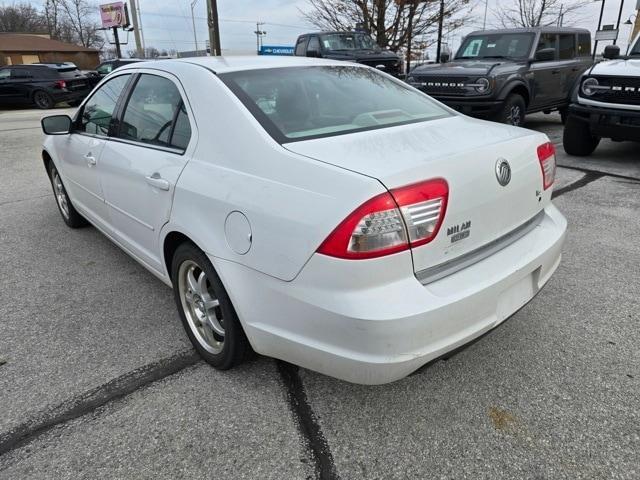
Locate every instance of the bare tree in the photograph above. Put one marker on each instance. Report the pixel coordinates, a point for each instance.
(80, 16)
(394, 24)
(537, 13)
(21, 18)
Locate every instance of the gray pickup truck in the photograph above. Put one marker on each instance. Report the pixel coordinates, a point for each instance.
(505, 74)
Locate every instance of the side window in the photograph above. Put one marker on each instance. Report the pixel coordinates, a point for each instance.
(584, 45)
(567, 46)
(548, 40)
(151, 111)
(5, 73)
(314, 45)
(300, 46)
(182, 130)
(97, 112)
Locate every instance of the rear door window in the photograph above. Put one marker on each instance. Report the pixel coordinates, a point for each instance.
(98, 110)
(300, 46)
(154, 112)
(584, 45)
(567, 46)
(548, 40)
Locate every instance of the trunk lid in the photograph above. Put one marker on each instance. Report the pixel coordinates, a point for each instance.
(464, 152)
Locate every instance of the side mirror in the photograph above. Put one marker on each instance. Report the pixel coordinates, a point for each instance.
(611, 52)
(545, 55)
(313, 53)
(56, 125)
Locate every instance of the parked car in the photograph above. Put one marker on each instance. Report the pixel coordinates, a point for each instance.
(318, 212)
(505, 74)
(350, 46)
(108, 66)
(42, 85)
(606, 103)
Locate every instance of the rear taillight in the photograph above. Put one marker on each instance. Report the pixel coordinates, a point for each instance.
(391, 222)
(60, 84)
(547, 157)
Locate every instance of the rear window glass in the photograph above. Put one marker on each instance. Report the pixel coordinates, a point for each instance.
(311, 102)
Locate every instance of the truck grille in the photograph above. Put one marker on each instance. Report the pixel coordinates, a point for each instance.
(441, 85)
(625, 90)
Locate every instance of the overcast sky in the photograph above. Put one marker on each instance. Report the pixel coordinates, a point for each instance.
(167, 23)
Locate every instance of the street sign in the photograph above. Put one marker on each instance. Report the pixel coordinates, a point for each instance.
(113, 15)
(275, 50)
(606, 35)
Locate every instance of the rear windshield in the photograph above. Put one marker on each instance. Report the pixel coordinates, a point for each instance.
(311, 102)
(69, 72)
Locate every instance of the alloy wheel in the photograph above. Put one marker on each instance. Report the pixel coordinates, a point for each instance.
(41, 99)
(61, 194)
(201, 307)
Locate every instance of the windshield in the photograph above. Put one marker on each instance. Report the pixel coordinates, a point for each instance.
(310, 102)
(636, 48)
(497, 45)
(348, 41)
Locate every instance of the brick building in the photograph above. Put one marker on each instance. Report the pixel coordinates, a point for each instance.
(18, 48)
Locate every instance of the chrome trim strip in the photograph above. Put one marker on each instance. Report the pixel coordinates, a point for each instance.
(449, 267)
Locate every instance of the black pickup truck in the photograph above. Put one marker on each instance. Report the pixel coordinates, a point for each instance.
(349, 46)
(504, 74)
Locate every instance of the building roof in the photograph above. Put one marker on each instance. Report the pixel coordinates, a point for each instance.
(25, 42)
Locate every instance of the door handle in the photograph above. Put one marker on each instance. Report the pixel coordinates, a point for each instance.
(555, 72)
(91, 160)
(158, 182)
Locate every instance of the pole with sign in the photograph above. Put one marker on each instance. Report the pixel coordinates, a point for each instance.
(114, 16)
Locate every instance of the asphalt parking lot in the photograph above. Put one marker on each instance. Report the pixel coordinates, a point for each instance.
(98, 379)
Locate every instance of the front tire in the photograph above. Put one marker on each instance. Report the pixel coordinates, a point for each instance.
(205, 309)
(68, 212)
(577, 138)
(43, 100)
(513, 111)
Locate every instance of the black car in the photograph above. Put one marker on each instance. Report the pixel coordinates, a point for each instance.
(42, 85)
(349, 46)
(108, 66)
(504, 74)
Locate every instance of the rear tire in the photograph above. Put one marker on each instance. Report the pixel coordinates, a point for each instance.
(68, 212)
(577, 138)
(206, 310)
(43, 100)
(513, 111)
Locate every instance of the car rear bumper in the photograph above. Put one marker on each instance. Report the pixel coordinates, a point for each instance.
(615, 123)
(69, 95)
(339, 318)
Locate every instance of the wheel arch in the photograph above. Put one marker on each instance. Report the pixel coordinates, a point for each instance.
(47, 160)
(518, 88)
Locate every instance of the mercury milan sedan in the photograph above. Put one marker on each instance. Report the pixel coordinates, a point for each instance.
(319, 212)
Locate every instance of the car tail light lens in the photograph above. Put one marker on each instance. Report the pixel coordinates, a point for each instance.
(391, 222)
(547, 158)
(60, 84)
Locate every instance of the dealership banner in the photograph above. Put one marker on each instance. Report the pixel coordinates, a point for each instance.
(112, 15)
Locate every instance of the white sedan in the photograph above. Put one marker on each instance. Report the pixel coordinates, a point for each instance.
(319, 212)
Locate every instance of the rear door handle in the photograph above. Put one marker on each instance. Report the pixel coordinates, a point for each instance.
(158, 182)
(91, 160)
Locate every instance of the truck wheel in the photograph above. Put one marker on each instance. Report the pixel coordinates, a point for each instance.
(513, 110)
(577, 138)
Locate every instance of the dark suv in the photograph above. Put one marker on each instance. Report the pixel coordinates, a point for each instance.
(350, 46)
(504, 74)
(42, 85)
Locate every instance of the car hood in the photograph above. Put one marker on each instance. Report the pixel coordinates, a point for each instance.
(619, 68)
(463, 68)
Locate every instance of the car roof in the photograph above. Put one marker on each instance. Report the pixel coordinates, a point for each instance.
(532, 30)
(239, 63)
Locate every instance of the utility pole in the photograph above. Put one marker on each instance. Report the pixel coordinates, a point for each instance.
(440, 22)
(117, 42)
(259, 33)
(136, 29)
(486, 7)
(193, 22)
(619, 18)
(214, 27)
